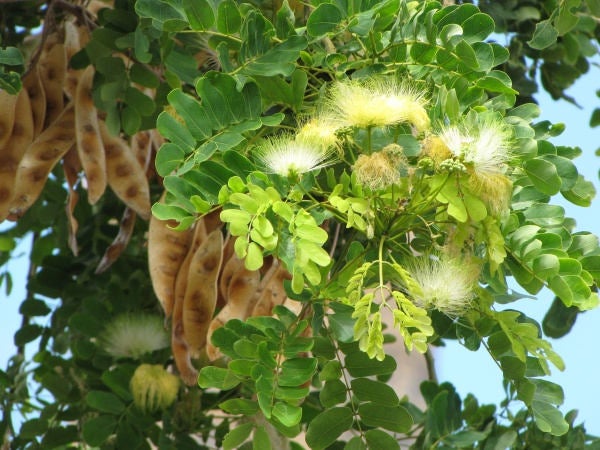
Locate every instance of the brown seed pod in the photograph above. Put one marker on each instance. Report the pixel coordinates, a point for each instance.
(125, 176)
(90, 146)
(39, 159)
(37, 97)
(112, 253)
(179, 345)
(167, 250)
(71, 168)
(7, 116)
(272, 294)
(242, 294)
(12, 153)
(201, 292)
(53, 70)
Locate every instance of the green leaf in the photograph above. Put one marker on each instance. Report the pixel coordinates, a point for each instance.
(11, 56)
(27, 333)
(168, 158)
(296, 371)
(105, 402)
(229, 19)
(566, 20)
(217, 377)
(237, 436)
(34, 307)
(199, 13)
(288, 415)
(467, 55)
(395, 419)
(378, 439)
(223, 103)
(174, 131)
(280, 60)
(261, 439)
(465, 438)
(165, 16)
(380, 393)
(422, 53)
(324, 19)
(544, 35)
(477, 27)
(327, 426)
(548, 418)
(582, 193)
(543, 175)
(239, 406)
(97, 430)
(359, 364)
(33, 428)
(333, 393)
(192, 113)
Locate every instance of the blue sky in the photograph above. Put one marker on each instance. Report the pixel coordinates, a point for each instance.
(474, 371)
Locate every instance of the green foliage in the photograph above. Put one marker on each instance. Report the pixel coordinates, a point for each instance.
(425, 214)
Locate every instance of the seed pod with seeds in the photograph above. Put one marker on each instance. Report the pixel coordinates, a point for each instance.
(37, 97)
(53, 70)
(39, 159)
(89, 141)
(12, 152)
(167, 249)
(7, 116)
(179, 346)
(201, 292)
(125, 176)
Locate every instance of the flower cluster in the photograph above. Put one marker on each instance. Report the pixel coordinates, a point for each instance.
(351, 104)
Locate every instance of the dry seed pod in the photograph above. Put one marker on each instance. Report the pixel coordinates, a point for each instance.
(89, 141)
(120, 242)
(39, 159)
(272, 294)
(7, 116)
(179, 346)
(141, 147)
(167, 250)
(12, 153)
(37, 97)
(201, 292)
(125, 176)
(242, 293)
(53, 69)
(76, 37)
(71, 168)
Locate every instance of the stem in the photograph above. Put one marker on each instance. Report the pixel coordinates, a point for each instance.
(431, 373)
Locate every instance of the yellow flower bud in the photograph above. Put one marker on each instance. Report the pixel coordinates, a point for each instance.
(153, 388)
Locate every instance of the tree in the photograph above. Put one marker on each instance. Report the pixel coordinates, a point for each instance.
(310, 168)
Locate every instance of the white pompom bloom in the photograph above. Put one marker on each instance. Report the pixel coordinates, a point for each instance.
(377, 103)
(447, 284)
(288, 156)
(484, 145)
(131, 336)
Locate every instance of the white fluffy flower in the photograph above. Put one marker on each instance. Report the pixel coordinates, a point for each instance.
(447, 284)
(131, 336)
(287, 156)
(485, 145)
(377, 103)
